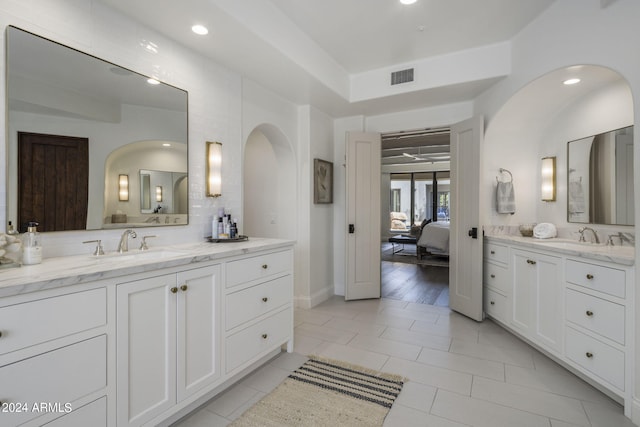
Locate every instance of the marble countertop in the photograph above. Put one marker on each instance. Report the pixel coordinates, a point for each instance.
(71, 270)
(624, 255)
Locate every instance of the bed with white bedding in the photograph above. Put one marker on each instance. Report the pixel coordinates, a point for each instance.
(435, 238)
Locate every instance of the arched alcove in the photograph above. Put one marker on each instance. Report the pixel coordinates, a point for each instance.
(269, 184)
(538, 121)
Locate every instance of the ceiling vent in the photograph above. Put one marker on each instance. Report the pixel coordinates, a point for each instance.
(402, 76)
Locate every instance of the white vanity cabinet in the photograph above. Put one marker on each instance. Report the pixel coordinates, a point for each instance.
(537, 297)
(596, 320)
(496, 281)
(575, 307)
(140, 338)
(53, 356)
(259, 307)
(168, 330)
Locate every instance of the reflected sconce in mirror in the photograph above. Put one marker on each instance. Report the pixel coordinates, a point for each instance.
(123, 188)
(548, 179)
(158, 193)
(214, 169)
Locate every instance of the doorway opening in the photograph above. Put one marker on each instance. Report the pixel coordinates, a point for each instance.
(414, 247)
(269, 191)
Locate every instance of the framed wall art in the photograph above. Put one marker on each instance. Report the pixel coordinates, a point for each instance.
(322, 181)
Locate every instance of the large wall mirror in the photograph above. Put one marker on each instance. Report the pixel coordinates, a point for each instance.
(600, 178)
(76, 125)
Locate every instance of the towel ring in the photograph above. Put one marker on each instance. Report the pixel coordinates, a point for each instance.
(502, 170)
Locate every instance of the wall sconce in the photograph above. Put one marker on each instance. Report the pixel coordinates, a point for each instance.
(158, 193)
(123, 188)
(548, 175)
(214, 169)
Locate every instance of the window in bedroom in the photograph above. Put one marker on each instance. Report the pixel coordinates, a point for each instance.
(419, 196)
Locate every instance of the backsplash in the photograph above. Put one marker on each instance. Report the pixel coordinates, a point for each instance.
(571, 233)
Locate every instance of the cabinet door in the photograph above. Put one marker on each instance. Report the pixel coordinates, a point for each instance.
(524, 273)
(537, 297)
(146, 340)
(548, 302)
(198, 329)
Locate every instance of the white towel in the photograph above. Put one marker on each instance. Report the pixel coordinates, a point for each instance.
(505, 198)
(545, 230)
(576, 197)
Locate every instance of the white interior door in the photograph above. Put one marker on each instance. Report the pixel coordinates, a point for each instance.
(465, 241)
(363, 215)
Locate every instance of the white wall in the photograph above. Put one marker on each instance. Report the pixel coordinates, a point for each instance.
(215, 98)
(260, 187)
(321, 215)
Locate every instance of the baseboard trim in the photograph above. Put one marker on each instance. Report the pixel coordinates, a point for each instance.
(311, 301)
(635, 411)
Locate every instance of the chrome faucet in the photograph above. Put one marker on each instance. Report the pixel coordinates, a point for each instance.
(583, 229)
(123, 246)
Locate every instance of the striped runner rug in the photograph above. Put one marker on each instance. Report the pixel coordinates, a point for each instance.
(326, 392)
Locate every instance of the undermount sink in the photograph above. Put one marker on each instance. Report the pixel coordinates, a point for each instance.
(138, 255)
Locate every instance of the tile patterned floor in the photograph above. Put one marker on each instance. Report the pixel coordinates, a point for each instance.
(461, 373)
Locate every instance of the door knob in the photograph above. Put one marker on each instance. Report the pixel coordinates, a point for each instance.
(352, 228)
(473, 233)
(183, 288)
(173, 290)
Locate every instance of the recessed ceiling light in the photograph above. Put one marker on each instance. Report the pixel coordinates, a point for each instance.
(571, 81)
(200, 30)
(408, 1)
(153, 81)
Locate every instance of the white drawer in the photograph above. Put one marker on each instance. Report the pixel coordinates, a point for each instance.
(497, 253)
(252, 302)
(496, 276)
(59, 376)
(35, 322)
(602, 317)
(247, 269)
(93, 414)
(599, 278)
(495, 305)
(257, 339)
(604, 361)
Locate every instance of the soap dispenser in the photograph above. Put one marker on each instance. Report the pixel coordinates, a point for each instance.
(31, 249)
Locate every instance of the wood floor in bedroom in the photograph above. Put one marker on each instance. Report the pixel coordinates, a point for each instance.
(408, 281)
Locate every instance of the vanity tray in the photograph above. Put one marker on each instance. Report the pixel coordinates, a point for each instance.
(240, 238)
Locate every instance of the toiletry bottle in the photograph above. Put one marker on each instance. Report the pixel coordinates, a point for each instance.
(31, 249)
(214, 227)
(11, 230)
(220, 229)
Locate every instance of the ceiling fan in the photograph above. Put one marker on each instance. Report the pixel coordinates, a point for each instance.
(416, 157)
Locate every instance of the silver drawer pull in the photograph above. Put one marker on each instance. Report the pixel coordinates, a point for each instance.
(265, 299)
(590, 276)
(493, 276)
(589, 355)
(589, 313)
(264, 336)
